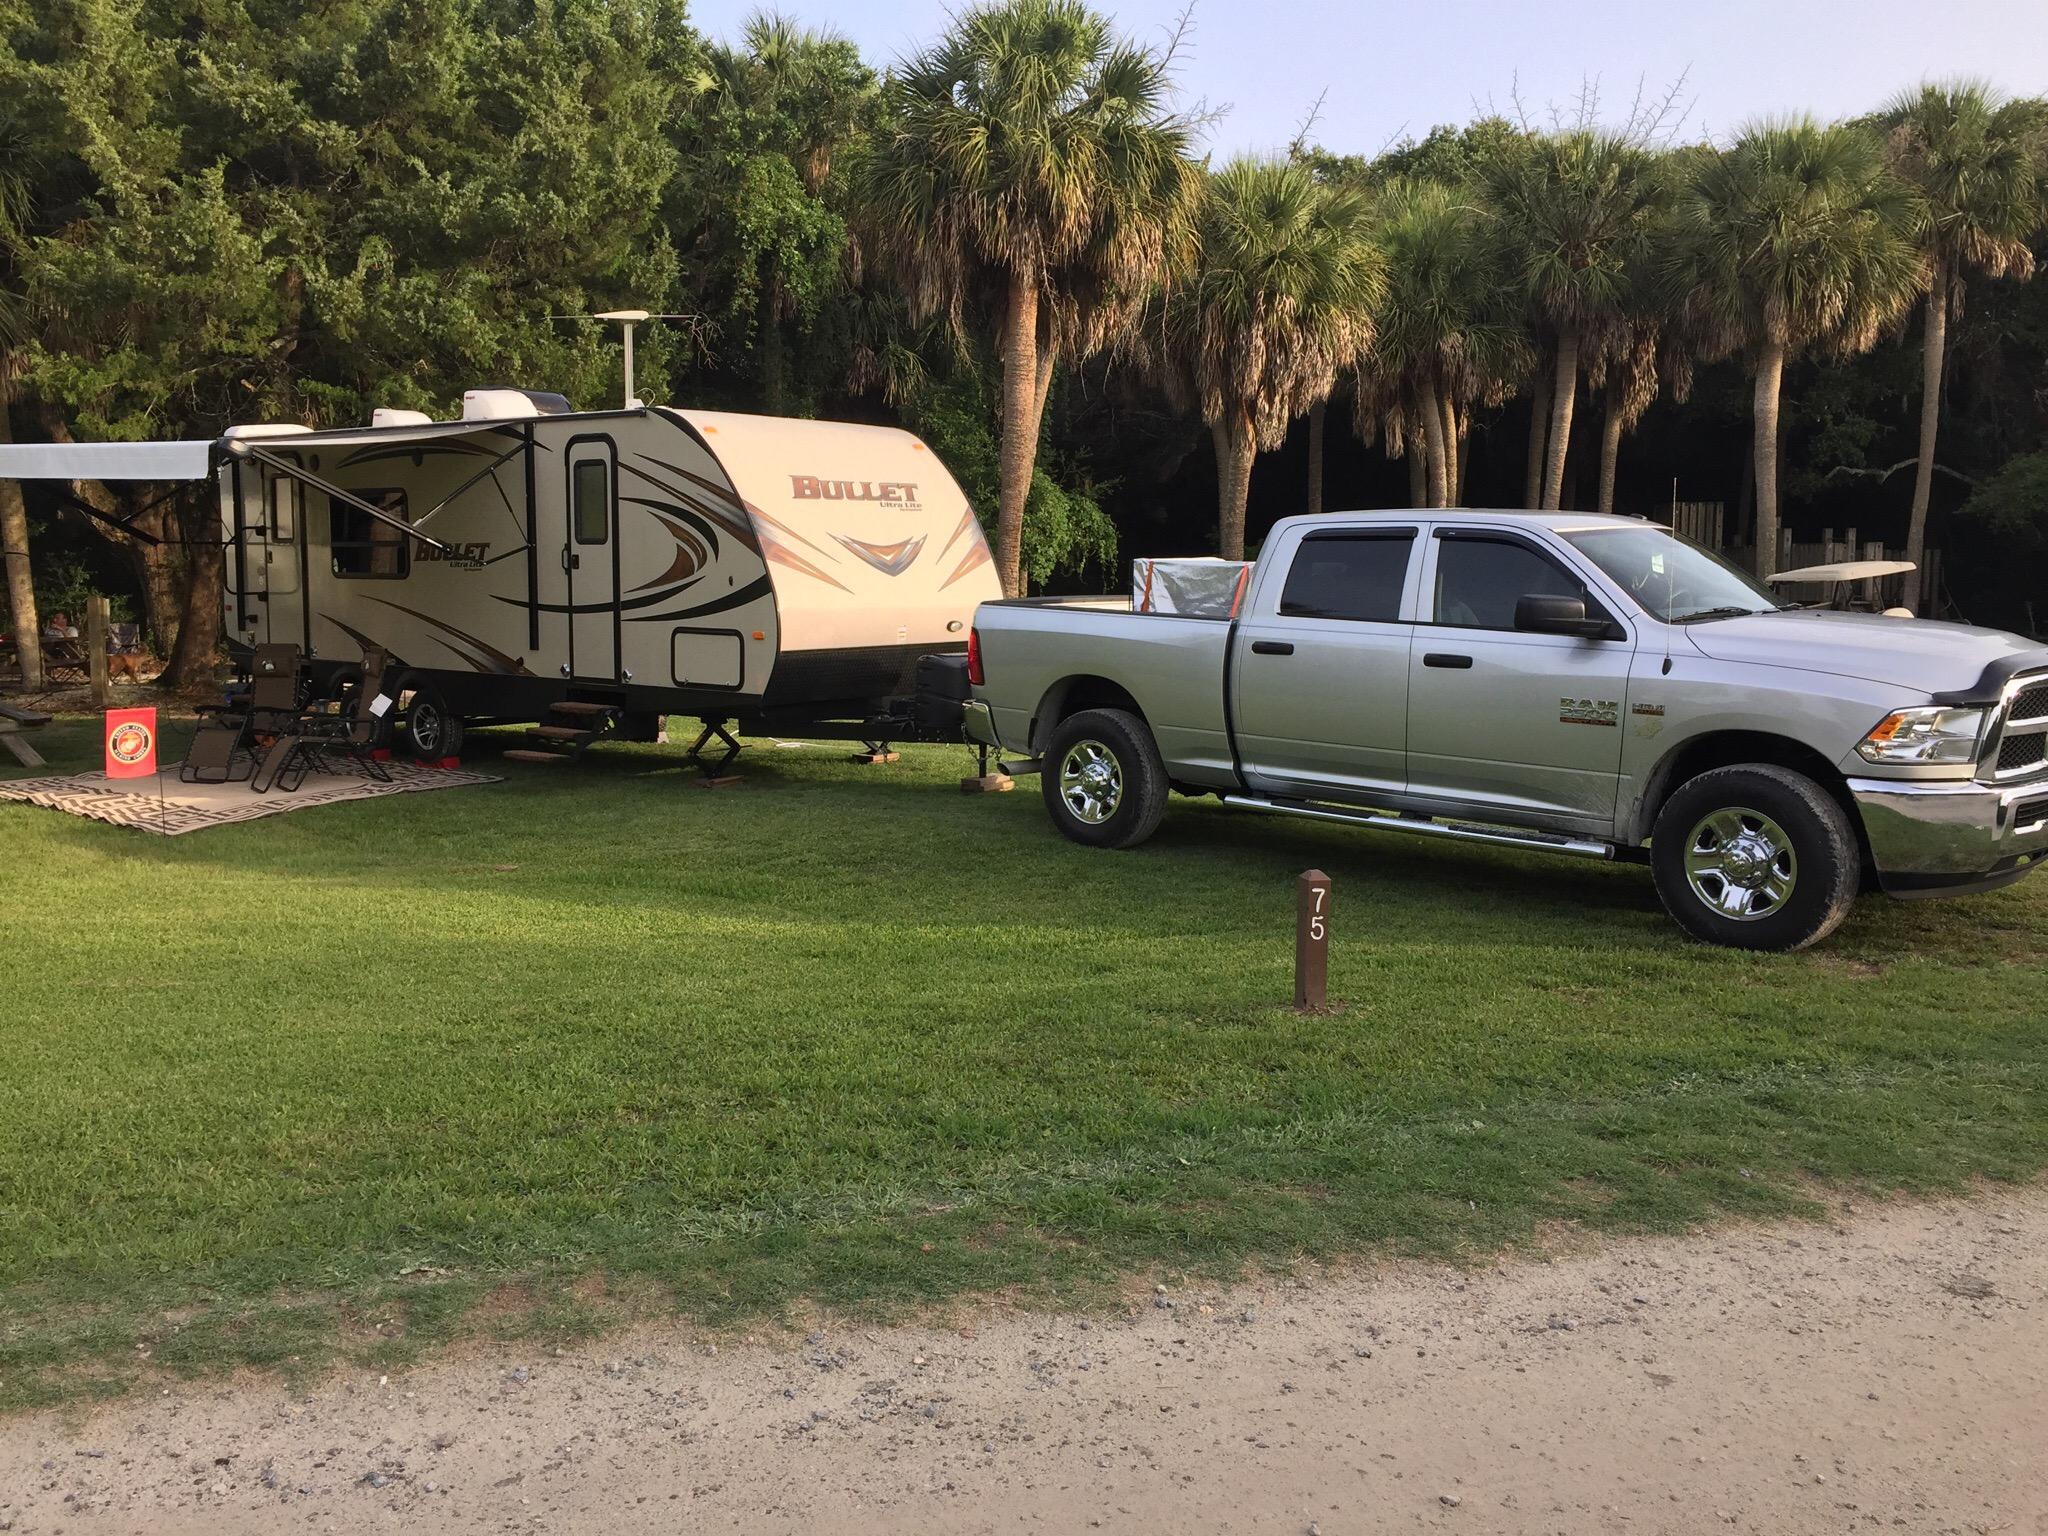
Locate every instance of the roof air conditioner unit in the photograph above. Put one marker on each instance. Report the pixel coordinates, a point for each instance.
(397, 416)
(510, 404)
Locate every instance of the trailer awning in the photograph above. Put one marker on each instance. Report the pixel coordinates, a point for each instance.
(191, 459)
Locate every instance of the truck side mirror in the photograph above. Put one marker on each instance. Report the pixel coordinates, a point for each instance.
(1542, 614)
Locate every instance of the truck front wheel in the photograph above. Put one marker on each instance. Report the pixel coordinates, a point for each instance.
(1755, 857)
(1103, 782)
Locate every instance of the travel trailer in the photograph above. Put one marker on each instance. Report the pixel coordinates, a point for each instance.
(595, 570)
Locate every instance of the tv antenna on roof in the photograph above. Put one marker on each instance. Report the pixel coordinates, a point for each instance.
(626, 320)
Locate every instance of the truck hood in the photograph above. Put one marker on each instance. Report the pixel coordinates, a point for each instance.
(1916, 655)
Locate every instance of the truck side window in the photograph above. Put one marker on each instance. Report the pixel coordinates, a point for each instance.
(362, 545)
(1479, 581)
(1355, 576)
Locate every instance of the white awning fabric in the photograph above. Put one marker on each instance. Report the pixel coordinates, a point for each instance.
(188, 460)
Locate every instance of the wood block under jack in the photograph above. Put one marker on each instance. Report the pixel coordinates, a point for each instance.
(987, 784)
(873, 757)
(718, 781)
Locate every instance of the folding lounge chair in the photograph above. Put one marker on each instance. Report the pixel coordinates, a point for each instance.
(227, 732)
(319, 741)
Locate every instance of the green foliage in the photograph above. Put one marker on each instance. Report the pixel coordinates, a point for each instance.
(1065, 528)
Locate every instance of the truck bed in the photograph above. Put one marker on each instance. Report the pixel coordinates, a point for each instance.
(1035, 652)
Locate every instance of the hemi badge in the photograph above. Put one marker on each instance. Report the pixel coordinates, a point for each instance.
(1646, 709)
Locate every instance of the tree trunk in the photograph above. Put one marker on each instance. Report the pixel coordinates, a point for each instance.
(1417, 458)
(768, 349)
(1539, 436)
(1235, 450)
(1770, 371)
(192, 660)
(1315, 458)
(1448, 413)
(1042, 390)
(1562, 391)
(21, 590)
(1931, 358)
(1462, 459)
(1610, 448)
(1020, 429)
(1433, 443)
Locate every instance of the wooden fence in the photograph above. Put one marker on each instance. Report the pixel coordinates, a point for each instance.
(1705, 523)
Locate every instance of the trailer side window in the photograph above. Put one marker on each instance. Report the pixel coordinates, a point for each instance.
(284, 510)
(367, 546)
(591, 489)
(1348, 576)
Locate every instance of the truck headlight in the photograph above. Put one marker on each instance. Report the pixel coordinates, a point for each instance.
(1930, 734)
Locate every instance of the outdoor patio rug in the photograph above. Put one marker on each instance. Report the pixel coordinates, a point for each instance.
(165, 806)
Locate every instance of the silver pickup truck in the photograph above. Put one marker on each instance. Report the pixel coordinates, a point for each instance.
(1581, 684)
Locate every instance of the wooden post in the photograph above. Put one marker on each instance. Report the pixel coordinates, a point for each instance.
(1311, 942)
(96, 648)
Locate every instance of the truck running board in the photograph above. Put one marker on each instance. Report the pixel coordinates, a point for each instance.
(1464, 832)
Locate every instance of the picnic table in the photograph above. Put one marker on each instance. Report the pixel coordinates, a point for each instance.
(13, 721)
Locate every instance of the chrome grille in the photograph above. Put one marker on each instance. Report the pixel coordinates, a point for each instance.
(2023, 731)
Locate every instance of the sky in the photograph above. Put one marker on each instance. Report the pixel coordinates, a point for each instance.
(1392, 71)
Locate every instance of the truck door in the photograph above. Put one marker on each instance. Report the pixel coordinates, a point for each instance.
(1320, 684)
(1500, 718)
(590, 557)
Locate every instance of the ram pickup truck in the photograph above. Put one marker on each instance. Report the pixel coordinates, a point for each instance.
(1586, 685)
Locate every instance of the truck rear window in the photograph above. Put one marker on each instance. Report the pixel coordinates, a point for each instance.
(1356, 576)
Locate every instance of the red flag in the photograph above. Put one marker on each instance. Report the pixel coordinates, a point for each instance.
(131, 743)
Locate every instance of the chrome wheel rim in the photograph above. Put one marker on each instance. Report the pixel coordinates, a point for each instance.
(1091, 782)
(426, 726)
(1740, 864)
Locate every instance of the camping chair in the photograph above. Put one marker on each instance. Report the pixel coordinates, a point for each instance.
(226, 731)
(322, 741)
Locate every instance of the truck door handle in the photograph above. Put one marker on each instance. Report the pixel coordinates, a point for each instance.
(1272, 648)
(1446, 659)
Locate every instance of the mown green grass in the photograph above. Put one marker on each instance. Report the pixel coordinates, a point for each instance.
(844, 1034)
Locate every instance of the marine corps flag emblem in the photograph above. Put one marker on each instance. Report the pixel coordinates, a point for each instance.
(131, 743)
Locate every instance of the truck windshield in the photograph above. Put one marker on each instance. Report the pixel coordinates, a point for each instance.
(1672, 579)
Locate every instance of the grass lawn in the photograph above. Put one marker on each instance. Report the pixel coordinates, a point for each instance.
(364, 1077)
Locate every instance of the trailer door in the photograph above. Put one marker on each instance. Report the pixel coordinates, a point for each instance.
(591, 558)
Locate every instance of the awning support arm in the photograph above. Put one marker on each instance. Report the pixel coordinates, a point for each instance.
(489, 469)
(334, 492)
(79, 504)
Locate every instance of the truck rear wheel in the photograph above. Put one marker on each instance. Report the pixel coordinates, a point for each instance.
(1755, 857)
(1103, 781)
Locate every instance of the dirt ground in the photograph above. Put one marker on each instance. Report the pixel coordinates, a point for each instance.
(1884, 1370)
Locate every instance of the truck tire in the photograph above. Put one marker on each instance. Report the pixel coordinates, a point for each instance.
(1755, 857)
(1103, 782)
(431, 731)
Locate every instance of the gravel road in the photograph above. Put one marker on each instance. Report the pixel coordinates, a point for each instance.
(1886, 1369)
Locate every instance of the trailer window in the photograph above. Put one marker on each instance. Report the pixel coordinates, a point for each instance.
(1348, 576)
(591, 487)
(367, 546)
(284, 510)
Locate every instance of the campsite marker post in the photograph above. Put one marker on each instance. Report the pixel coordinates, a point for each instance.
(1311, 942)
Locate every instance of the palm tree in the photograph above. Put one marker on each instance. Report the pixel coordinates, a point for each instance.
(1031, 162)
(1449, 337)
(784, 99)
(1976, 161)
(1796, 238)
(1577, 207)
(1279, 302)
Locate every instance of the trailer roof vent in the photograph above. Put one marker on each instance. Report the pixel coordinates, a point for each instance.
(267, 429)
(398, 416)
(506, 404)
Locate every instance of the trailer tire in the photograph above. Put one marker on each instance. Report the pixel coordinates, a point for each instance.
(1755, 857)
(1103, 781)
(431, 731)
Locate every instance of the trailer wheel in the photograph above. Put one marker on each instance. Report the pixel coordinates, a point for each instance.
(432, 732)
(1755, 857)
(1103, 781)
